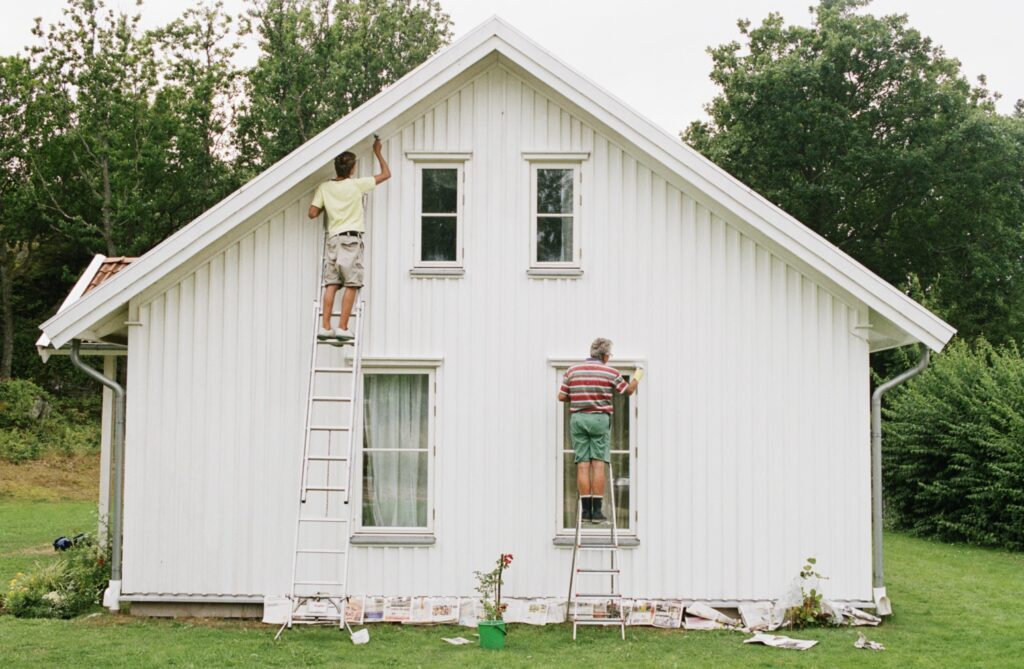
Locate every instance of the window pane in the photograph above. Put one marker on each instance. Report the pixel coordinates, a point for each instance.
(554, 239)
(395, 483)
(394, 489)
(439, 238)
(440, 191)
(554, 191)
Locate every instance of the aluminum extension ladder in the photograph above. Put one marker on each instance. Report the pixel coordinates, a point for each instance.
(320, 560)
(612, 600)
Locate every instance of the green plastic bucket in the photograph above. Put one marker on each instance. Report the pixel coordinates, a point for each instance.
(492, 634)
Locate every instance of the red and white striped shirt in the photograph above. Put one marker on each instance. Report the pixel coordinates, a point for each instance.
(590, 385)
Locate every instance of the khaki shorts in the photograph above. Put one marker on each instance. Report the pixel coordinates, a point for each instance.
(343, 264)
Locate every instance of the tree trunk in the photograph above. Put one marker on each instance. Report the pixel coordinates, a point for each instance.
(6, 313)
(108, 226)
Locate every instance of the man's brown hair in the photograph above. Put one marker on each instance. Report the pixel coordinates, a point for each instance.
(344, 163)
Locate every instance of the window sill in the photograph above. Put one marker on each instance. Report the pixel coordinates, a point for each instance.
(393, 540)
(555, 272)
(590, 540)
(443, 272)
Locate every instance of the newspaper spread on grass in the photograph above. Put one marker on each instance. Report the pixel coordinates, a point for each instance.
(863, 642)
(776, 641)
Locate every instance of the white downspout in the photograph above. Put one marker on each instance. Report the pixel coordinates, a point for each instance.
(883, 606)
(112, 595)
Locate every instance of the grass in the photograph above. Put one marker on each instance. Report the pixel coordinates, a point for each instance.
(955, 606)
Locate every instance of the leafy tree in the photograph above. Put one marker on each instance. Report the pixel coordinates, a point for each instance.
(323, 58)
(868, 133)
(15, 233)
(199, 100)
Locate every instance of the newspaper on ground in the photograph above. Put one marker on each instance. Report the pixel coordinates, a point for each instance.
(354, 610)
(456, 640)
(397, 609)
(529, 611)
(857, 618)
(556, 610)
(373, 609)
(668, 614)
(863, 642)
(776, 641)
(700, 616)
(469, 612)
(419, 612)
(641, 612)
(757, 616)
(275, 609)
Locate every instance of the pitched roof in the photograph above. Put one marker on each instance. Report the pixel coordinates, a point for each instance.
(690, 170)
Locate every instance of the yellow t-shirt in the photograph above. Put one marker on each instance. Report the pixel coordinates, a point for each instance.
(343, 201)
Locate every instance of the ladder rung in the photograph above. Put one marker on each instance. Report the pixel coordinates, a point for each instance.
(327, 488)
(330, 551)
(331, 398)
(598, 547)
(328, 458)
(333, 369)
(580, 570)
(323, 520)
(335, 428)
(353, 314)
(610, 595)
(599, 621)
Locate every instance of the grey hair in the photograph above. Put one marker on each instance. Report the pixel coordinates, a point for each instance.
(600, 348)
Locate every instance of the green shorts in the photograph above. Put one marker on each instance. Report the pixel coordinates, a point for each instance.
(591, 436)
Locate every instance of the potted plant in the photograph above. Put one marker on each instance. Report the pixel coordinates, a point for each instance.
(492, 629)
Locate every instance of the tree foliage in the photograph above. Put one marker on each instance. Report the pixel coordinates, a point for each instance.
(114, 137)
(322, 59)
(867, 132)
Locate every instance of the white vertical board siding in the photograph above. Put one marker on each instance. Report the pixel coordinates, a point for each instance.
(752, 421)
(215, 417)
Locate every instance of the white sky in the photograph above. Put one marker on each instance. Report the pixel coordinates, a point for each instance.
(651, 53)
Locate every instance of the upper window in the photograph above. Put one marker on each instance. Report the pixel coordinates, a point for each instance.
(555, 238)
(439, 219)
(623, 451)
(397, 411)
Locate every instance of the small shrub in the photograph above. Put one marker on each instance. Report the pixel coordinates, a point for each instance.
(19, 445)
(809, 611)
(63, 588)
(22, 403)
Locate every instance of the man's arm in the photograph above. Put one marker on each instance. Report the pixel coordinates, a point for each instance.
(314, 211)
(563, 397)
(634, 382)
(385, 171)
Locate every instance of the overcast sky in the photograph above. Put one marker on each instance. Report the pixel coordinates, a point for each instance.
(651, 53)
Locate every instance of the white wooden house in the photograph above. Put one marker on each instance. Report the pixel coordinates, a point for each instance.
(745, 450)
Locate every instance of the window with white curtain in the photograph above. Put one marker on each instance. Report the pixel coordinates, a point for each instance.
(397, 410)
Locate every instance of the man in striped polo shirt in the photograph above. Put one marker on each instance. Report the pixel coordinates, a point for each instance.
(588, 390)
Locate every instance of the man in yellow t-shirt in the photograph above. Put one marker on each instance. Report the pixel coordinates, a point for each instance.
(342, 199)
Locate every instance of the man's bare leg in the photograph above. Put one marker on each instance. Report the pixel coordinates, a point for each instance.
(583, 478)
(597, 478)
(347, 300)
(330, 290)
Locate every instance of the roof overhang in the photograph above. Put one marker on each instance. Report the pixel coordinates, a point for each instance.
(682, 166)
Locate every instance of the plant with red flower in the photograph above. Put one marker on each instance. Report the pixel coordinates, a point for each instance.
(489, 587)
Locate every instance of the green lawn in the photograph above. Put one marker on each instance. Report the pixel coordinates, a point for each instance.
(955, 607)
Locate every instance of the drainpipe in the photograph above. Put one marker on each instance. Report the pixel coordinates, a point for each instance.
(882, 604)
(112, 595)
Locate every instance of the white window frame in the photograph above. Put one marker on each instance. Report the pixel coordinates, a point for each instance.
(426, 161)
(428, 368)
(539, 163)
(626, 367)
